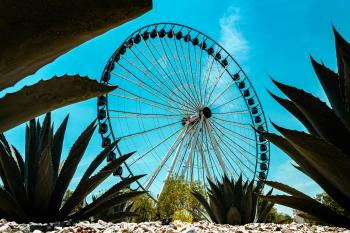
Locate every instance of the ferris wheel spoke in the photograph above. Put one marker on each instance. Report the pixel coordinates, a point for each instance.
(235, 134)
(178, 68)
(233, 123)
(218, 126)
(216, 82)
(150, 102)
(154, 147)
(186, 73)
(207, 76)
(227, 102)
(233, 112)
(193, 76)
(165, 159)
(229, 151)
(155, 76)
(143, 115)
(201, 152)
(210, 156)
(165, 73)
(216, 137)
(215, 146)
(190, 72)
(154, 91)
(148, 130)
(219, 95)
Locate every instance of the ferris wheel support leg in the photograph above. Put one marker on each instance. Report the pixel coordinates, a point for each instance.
(204, 161)
(165, 159)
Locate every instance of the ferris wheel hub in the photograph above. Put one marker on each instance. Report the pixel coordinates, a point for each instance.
(206, 112)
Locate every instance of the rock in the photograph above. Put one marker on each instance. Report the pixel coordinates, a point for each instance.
(5, 228)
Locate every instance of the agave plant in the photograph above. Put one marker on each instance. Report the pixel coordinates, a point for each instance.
(34, 187)
(323, 153)
(233, 202)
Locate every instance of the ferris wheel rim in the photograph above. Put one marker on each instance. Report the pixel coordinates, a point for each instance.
(246, 79)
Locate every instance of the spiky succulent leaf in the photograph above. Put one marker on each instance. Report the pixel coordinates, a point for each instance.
(112, 202)
(70, 166)
(290, 106)
(264, 208)
(56, 150)
(47, 95)
(83, 189)
(97, 161)
(343, 58)
(11, 207)
(206, 205)
(330, 84)
(317, 151)
(307, 167)
(310, 206)
(246, 206)
(19, 160)
(12, 175)
(319, 115)
(44, 182)
(233, 217)
(114, 190)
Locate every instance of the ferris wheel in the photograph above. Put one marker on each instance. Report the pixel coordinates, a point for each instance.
(185, 106)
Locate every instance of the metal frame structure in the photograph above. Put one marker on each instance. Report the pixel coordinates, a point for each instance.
(192, 104)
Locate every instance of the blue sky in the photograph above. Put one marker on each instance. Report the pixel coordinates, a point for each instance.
(271, 37)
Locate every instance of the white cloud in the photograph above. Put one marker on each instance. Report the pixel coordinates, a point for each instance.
(231, 38)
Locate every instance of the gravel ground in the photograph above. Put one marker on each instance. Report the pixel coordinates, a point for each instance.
(156, 227)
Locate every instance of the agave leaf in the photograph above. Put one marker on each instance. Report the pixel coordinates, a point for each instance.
(70, 166)
(238, 191)
(290, 106)
(343, 56)
(206, 206)
(45, 133)
(86, 187)
(97, 161)
(247, 204)
(20, 161)
(228, 193)
(317, 151)
(319, 115)
(10, 206)
(44, 182)
(330, 84)
(310, 206)
(233, 216)
(286, 189)
(56, 150)
(307, 167)
(12, 175)
(108, 194)
(49, 95)
(112, 202)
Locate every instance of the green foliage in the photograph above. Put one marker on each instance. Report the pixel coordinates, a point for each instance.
(176, 196)
(183, 216)
(34, 188)
(276, 217)
(233, 202)
(145, 208)
(326, 200)
(323, 154)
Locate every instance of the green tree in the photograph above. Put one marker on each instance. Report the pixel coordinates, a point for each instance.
(176, 196)
(145, 207)
(276, 217)
(326, 200)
